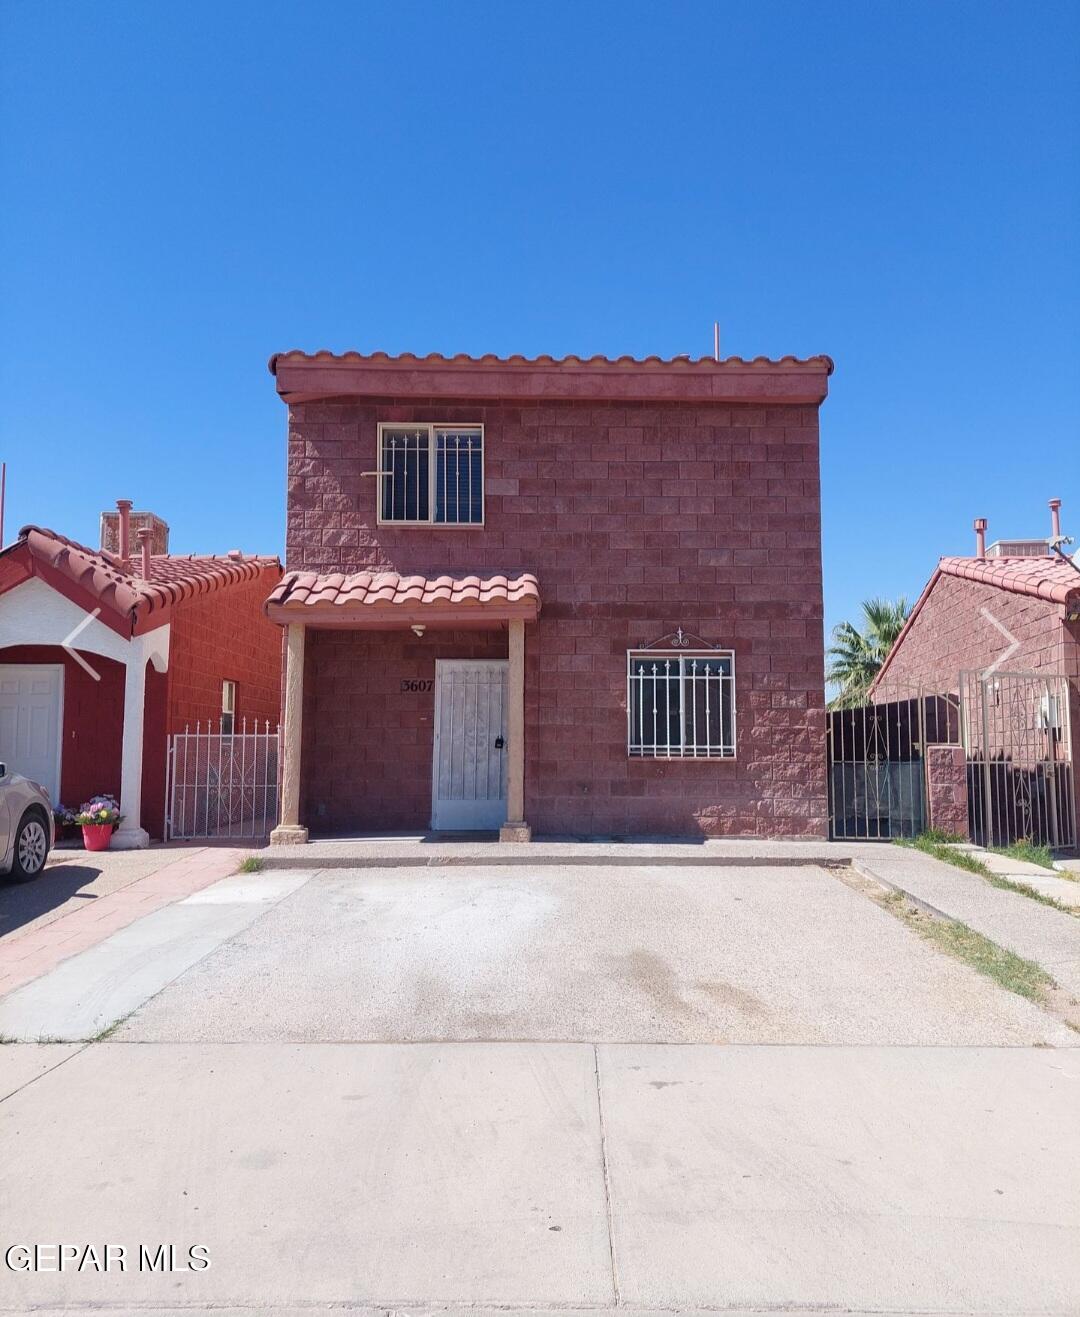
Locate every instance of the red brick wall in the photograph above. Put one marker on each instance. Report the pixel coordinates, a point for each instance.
(219, 636)
(93, 721)
(636, 519)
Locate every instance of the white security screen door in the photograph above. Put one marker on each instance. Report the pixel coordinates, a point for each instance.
(469, 768)
(30, 721)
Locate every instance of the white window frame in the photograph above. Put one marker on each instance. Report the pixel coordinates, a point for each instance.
(635, 687)
(432, 428)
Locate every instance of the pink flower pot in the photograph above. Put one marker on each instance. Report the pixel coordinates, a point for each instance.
(96, 836)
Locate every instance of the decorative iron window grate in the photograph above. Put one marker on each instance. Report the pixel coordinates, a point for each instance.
(431, 475)
(681, 706)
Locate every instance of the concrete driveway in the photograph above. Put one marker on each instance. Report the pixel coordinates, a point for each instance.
(621, 954)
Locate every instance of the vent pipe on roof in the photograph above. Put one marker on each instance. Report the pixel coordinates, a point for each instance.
(143, 534)
(123, 508)
(1055, 522)
(980, 537)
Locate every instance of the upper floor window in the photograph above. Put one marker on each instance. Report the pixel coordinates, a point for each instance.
(431, 475)
(681, 706)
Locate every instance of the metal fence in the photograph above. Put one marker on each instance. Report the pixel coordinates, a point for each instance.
(877, 783)
(222, 784)
(1018, 742)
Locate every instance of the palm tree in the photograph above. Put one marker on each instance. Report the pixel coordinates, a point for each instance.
(855, 656)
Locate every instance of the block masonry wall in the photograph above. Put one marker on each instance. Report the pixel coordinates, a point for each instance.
(637, 519)
(946, 789)
(224, 635)
(951, 633)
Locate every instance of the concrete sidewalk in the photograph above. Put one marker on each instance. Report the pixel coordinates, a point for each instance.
(1049, 882)
(1037, 932)
(551, 1176)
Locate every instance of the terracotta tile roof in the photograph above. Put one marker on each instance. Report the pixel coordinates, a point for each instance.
(173, 577)
(1043, 578)
(377, 595)
(491, 359)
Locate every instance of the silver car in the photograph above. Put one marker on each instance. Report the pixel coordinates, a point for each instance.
(26, 826)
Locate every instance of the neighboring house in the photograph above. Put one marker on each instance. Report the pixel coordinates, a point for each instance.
(155, 641)
(1001, 630)
(571, 596)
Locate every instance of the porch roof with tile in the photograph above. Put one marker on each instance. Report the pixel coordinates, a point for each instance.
(392, 601)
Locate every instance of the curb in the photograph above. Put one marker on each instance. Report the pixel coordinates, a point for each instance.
(867, 872)
(271, 861)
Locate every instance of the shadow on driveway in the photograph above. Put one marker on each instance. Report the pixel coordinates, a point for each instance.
(22, 903)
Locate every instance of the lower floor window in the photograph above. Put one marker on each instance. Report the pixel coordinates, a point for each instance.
(681, 706)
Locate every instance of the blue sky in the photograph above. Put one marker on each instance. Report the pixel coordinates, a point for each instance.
(188, 188)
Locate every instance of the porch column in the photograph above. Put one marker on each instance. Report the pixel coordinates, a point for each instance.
(288, 831)
(515, 828)
(131, 835)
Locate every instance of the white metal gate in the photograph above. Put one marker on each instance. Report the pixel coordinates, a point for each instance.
(222, 784)
(468, 790)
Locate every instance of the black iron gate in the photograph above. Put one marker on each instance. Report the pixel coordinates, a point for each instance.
(1016, 735)
(877, 785)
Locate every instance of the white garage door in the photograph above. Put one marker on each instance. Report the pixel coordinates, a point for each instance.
(30, 721)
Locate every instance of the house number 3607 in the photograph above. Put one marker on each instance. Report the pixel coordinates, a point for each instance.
(413, 686)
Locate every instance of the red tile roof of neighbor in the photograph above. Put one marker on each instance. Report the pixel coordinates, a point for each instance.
(374, 597)
(1043, 578)
(173, 577)
(1047, 578)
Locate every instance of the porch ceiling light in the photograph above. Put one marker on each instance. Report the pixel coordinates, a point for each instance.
(418, 629)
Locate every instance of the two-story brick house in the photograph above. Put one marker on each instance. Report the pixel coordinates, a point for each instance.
(571, 596)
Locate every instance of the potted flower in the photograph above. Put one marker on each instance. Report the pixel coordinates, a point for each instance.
(97, 818)
(63, 821)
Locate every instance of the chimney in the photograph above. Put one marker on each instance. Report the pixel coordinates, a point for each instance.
(980, 537)
(144, 533)
(123, 513)
(1055, 522)
(123, 508)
